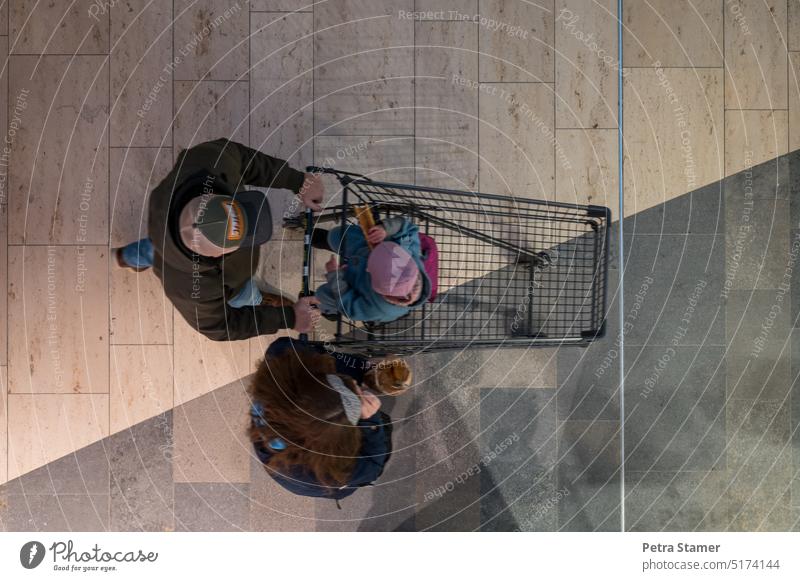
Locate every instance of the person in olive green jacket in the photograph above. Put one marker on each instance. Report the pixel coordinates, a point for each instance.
(205, 229)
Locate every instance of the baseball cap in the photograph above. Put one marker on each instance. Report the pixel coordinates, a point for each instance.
(392, 269)
(213, 225)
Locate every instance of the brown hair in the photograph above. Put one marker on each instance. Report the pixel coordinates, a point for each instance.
(302, 410)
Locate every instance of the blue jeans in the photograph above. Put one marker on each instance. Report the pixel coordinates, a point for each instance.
(140, 255)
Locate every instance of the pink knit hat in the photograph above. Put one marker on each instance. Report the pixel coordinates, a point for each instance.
(393, 271)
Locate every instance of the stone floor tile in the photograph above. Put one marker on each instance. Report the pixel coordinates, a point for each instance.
(665, 107)
(586, 73)
(141, 73)
(793, 32)
(588, 476)
(45, 427)
(79, 27)
(213, 506)
(758, 356)
(672, 34)
(518, 498)
(281, 86)
(211, 443)
(3, 425)
(281, 5)
(446, 101)
(447, 9)
(84, 471)
(518, 426)
(202, 365)
(364, 64)
(4, 190)
(58, 176)
(794, 98)
(794, 420)
(140, 460)
(140, 312)
(64, 512)
(141, 384)
(588, 379)
(209, 110)
(677, 501)
(674, 408)
(274, 509)
(521, 49)
(515, 367)
(760, 463)
(699, 212)
(753, 137)
(211, 40)
(684, 277)
(135, 172)
(377, 157)
(587, 168)
(62, 314)
(518, 449)
(516, 136)
(446, 418)
(757, 240)
(755, 55)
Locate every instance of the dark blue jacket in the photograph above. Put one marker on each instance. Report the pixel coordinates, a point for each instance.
(369, 465)
(375, 445)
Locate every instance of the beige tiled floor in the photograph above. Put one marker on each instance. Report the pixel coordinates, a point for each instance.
(673, 133)
(43, 427)
(340, 82)
(141, 87)
(58, 316)
(141, 384)
(58, 173)
(586, 81)
(675, 34)
(516, 135)
(753, 137)
(511, 55)
(756, 55)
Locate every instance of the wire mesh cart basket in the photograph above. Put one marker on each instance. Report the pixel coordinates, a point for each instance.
(512, 272)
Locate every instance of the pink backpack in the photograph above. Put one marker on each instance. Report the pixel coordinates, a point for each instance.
(430, 260)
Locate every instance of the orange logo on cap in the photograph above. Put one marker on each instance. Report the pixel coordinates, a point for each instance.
(235, 220)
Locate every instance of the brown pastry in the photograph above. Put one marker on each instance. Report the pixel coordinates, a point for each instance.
(390, 376)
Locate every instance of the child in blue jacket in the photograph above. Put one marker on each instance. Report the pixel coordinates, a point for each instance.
(378, 285)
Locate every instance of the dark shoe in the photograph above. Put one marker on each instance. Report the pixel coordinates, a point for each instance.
(122, 264)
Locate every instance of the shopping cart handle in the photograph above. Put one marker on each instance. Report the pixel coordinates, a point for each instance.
(344, 177)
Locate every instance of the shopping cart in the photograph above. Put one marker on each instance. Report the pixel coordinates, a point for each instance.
(512, 272)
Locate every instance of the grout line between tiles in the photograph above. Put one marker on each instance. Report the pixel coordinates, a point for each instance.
(621, 252)
(172, 309)
(585, 128)
(741, 109)
(675, 68)
(6, 217)
(108, 259)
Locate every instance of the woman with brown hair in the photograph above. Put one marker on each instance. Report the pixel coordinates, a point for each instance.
(316, 429)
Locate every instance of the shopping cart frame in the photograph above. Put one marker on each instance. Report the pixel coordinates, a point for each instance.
(365, 338)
